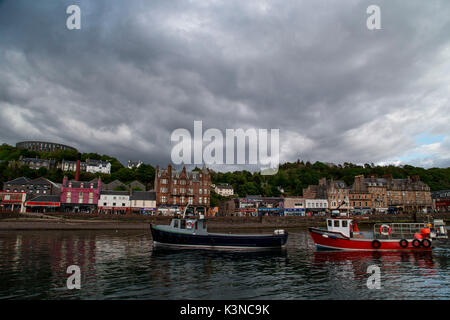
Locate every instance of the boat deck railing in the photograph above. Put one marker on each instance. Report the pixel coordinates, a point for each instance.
(398, 230)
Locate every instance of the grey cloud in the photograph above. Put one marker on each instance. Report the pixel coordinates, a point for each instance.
(137, 70)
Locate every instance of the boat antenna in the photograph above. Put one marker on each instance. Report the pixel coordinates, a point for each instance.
(184, 213)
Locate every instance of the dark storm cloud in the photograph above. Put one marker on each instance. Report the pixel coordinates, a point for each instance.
(137, 70)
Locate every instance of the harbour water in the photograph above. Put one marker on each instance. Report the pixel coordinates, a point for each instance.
(122, 265)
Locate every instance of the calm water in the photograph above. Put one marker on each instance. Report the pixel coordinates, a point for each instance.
(122, 265)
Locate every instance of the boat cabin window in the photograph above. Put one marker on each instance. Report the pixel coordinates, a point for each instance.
(330, 223)
(344, 223)
(336, 223)
(183, 224)
(176, 224)
(204, 224)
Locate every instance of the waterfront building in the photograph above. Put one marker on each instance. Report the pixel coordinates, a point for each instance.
(39, 186)
(80, 196)
(224, 190)
(143, 202)
(177, 189)
(408, 195)
(441, 200)
(16, 185)
(253, 205)
(114, 202)
(43, 146)
(313, 206)
(373, 194)
(294, 206)
(12, 200)
(44, 203)
(42, 186)
(359, 196)
(337, 194)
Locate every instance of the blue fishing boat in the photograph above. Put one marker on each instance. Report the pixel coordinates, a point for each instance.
(193, 233)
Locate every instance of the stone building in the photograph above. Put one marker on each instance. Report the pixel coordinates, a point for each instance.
(294, 206)
(43, 146)
(177, 189)
(35, 187)
(441, 200)
(36, 163)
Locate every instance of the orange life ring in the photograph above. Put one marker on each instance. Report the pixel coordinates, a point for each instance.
(384, 233)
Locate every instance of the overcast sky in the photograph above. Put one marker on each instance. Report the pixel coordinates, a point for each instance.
(137, 70)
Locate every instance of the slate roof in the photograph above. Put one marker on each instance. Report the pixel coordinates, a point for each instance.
(143, 195)
(46, 198)
(115, 193)
(21, 180)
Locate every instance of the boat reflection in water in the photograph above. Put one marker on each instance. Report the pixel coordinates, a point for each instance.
(420, 258)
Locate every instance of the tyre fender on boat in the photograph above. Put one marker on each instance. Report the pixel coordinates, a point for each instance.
(403, 243)
(426, 243)
(376, 244)
(416, 243)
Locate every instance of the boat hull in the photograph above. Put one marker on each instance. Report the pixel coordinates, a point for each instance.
(217, 241)
(327, 240)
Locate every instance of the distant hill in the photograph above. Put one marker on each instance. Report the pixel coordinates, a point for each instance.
(145, 173)
(293, 177)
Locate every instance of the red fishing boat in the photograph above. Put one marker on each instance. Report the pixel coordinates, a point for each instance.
(343, 234)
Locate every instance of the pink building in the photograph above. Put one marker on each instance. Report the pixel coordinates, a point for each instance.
(80, 196)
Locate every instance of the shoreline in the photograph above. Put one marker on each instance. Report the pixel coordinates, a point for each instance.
(89, 222)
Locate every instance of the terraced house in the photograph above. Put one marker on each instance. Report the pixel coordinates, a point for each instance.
(80, 196)
(177, 189)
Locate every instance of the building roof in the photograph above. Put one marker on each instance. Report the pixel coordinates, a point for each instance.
(46, 198)
(77, 184)
(90, 162)
(21, 180)
(115, 193)
(143, 195)
(43, 181)
(224, 186)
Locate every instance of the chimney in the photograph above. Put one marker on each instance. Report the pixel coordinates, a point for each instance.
(77, 172)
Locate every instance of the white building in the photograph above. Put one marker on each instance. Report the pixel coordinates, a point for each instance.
(316, 204)
(224, 190)
(134, 164)
(94, 166)
(143, 202)
(114, 202)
